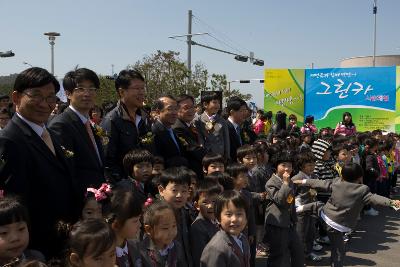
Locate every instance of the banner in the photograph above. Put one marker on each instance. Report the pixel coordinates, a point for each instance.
(284, 91)
(369, 94)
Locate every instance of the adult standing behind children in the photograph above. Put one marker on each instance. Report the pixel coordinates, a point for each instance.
(126, 123)
(74, 129)
(166, 142)
(346, 127)
(186, 130)
(33, 164)
(236, 109)
(212, 128)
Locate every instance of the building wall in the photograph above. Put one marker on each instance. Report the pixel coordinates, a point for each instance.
(388, 60)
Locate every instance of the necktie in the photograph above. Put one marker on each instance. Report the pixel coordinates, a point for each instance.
(171, 133)
(91, 136)
(47, 140)
(238, 133)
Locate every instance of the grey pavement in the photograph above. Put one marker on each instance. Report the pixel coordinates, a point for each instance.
(375, 242)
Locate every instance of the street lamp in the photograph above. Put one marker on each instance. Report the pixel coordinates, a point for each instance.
(52, 37)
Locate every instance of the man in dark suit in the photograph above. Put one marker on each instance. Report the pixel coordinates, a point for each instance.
(166, 143)
(33, 165)
(126, 124)
(77, 134)
(185, 130)
(236, 109)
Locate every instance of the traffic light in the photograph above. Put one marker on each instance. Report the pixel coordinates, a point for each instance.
(241, 58)
(258, 62)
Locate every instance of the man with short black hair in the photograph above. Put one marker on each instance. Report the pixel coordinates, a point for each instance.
(77, 134)
(33, 165)
(236, 110)
(126, 124)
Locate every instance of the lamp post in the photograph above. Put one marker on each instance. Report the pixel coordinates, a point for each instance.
(374, 11)
(52, 37)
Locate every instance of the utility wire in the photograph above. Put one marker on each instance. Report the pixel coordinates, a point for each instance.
(225, 36)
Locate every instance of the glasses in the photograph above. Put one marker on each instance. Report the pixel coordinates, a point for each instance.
(38, 98)
(81, 90)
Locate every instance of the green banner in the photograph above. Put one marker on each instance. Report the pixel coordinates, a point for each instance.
(284, 91)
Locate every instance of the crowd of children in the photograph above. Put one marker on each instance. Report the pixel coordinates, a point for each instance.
(270, 202)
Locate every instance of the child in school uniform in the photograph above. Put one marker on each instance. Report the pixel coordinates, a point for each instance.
(229, 247)
(239, 174)
(138, 164)
(159, 248)
(213, 162)
(280, 215)
(205, 225)
(340, 213)
(305, 226)
(174, 189)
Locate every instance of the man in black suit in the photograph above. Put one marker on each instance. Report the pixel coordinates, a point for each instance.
(33, 165)
(126, 124)
(166, 143)
(77, 134)
(185, 130)
(236, 109)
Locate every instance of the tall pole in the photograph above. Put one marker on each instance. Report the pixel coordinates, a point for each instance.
(374, 11)
(189, 42)
(52, 53)
(52, 37)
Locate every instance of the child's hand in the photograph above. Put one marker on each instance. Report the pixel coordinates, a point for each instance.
(395, 204)
(263, 195)
(286, 177)
(298, 181)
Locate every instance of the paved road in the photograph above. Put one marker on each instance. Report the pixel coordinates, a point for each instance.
(376, 242)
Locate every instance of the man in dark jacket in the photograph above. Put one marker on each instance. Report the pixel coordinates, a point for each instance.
(127, 124)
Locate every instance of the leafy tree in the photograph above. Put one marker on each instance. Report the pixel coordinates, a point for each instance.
(220, 83)
(165, 73)
(107, 92)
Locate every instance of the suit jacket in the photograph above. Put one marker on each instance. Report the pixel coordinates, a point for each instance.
(201, 232)
(347, 200)
(88, 169)
(234, 141)
(183, 236)
(223, 251)
(43, 180)
(304, 194)
(165, 146)
(280, 210)
(194, 150)
(151, 257)
(216, 140)
(123, 136)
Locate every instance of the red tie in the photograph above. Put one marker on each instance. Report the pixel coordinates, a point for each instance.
(90, 133)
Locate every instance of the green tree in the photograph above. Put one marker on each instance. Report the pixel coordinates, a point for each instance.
(165, 73)
(219, 83)
(107, 92)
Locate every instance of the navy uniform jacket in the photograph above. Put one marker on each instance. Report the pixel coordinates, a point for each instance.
(201, 232)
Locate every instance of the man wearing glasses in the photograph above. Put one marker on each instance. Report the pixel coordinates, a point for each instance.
(80, 139)
(32, 163)
(126, 124)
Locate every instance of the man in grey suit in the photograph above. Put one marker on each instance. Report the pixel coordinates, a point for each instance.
(212, 128)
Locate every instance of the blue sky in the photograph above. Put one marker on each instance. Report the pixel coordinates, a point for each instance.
(284, 33)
